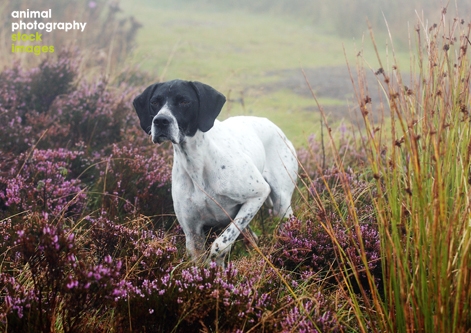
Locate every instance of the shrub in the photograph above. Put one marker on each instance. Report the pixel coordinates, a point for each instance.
(133, 180)
(102, 274)
(93, 114)
(46, 107)
(151, 252)
(25, 99)
(315, 314)
(51, 79)
(57, 283)
(226, 300)
(41, 182)
(306, 247)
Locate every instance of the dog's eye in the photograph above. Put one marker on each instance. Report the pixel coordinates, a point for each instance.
(157, 101)
(182, 101)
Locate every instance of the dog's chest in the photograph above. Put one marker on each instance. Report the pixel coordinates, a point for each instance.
(200, 187)
(199, 196)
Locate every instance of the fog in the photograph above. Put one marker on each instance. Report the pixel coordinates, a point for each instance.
(348, 18)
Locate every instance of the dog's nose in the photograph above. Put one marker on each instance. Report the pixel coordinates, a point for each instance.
(161, 121)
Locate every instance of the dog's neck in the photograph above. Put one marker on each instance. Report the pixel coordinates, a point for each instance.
(193, 155)
(191, 147)
(197, 146)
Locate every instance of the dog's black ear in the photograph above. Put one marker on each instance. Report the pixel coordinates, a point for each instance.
(142, 106)
(210, 101)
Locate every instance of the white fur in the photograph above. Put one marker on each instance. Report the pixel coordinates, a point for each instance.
(223, 176)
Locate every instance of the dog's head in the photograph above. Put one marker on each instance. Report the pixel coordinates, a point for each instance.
(177, 109)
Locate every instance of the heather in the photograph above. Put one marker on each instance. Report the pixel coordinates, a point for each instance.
(90, 241)
(379, 241)
(89, 238)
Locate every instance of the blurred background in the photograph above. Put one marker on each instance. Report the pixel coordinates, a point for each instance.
(255, 52)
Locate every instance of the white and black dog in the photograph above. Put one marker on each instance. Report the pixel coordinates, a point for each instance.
(222, 172)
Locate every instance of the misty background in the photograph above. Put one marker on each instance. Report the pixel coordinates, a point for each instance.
(260, 54)
(347, 18)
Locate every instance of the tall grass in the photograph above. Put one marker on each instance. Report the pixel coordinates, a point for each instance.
(420, 165)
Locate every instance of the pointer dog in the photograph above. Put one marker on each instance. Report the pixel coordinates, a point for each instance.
(222, 172)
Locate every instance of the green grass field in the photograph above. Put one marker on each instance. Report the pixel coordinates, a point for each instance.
(240, 54)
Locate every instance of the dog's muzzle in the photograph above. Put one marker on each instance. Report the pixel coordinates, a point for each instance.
(162, 129)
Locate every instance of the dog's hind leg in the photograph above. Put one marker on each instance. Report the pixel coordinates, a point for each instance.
(281, 175)
(281, 203)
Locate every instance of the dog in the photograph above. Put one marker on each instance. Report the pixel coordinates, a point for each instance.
(223, 171)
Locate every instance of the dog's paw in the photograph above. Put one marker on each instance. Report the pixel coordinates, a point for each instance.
(218, 252)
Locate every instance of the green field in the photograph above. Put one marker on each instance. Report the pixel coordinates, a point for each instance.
(250, 57)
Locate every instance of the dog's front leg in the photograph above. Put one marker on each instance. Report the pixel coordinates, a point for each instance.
(223, 243)
(194, 242)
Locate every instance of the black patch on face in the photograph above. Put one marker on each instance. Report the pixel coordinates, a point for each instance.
(194, 105)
